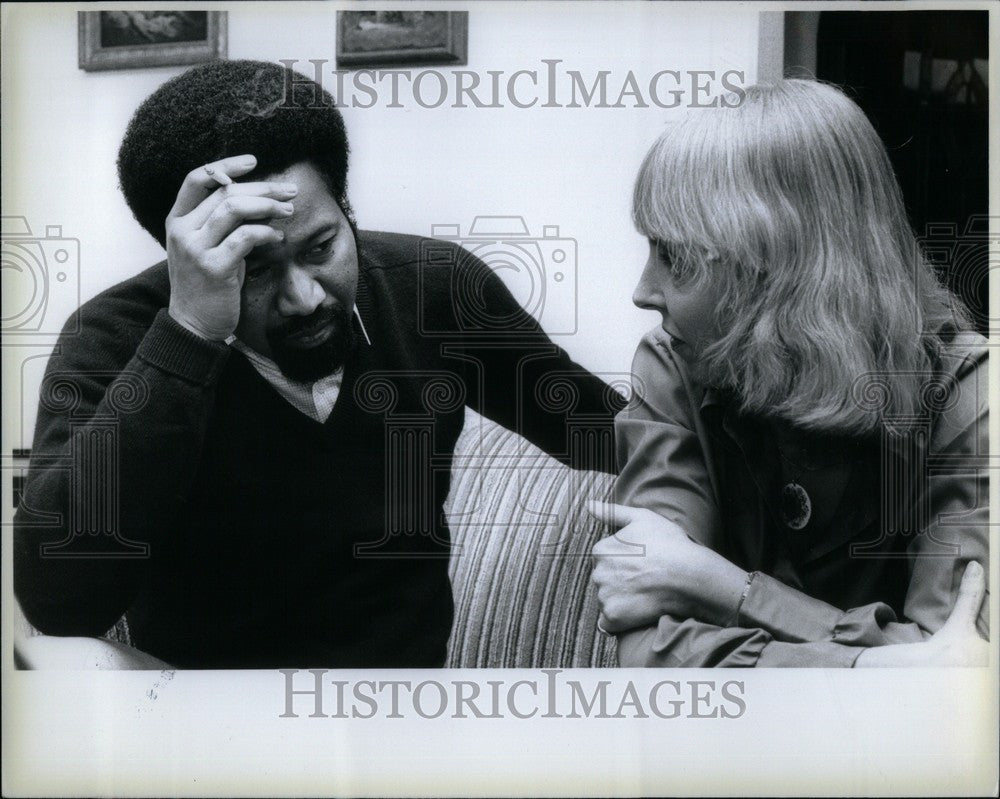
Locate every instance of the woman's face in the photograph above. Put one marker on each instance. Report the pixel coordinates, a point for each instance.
(688, 308)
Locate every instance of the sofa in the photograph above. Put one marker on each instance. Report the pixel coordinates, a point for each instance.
(520, 564)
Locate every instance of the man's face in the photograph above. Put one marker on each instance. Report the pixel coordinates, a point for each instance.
(298, 295)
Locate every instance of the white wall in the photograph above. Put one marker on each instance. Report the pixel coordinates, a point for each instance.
(412, 167)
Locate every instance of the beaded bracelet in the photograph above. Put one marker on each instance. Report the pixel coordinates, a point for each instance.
(743, 596)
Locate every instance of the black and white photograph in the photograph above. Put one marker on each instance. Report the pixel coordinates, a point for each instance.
(531, 398)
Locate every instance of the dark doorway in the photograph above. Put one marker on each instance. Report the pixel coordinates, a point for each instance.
(920, 76)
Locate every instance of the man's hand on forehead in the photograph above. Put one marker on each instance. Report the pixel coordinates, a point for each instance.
(214, 224)
(205, 182)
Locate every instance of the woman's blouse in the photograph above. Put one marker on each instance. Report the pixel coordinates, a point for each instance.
(894, 521)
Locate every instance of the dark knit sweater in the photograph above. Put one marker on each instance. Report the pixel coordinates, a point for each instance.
(171, 482)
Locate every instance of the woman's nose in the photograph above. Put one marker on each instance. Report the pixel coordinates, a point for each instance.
(647, 294)
(300, 293)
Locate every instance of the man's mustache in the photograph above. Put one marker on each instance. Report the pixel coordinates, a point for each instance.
(319, 318)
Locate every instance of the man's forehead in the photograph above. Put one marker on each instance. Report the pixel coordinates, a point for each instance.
(304, 172)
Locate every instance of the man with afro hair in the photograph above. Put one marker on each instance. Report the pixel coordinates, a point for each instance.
(262, 425)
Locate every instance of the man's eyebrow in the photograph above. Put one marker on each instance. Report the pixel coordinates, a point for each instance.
(322, 230)
(264, 252)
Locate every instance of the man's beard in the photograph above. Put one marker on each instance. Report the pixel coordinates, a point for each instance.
(307, 364)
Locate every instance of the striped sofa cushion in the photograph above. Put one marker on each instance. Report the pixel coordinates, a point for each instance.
(520, 567)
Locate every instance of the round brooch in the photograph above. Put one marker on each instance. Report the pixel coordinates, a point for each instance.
(796, 507)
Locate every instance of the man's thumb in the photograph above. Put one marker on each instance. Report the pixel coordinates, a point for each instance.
(970, 597)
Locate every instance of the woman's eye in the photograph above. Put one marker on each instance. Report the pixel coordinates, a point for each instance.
(665, 252)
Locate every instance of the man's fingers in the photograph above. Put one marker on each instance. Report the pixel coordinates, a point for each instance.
(970, 598)
(268, 189)
(235, 211)
(239, 244)
(612, 514)
(203, 180)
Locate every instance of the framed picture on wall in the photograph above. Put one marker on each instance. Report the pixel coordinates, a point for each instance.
(385, 38)
(137, 39)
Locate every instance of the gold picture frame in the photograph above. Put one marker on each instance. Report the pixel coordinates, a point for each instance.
(139, 39)
(399, 38)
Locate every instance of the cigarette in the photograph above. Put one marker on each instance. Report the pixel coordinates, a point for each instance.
(219, 177)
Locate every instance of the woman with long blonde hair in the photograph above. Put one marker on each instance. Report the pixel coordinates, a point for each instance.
(802, 478)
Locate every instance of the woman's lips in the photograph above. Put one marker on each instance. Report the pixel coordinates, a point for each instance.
(675, 340)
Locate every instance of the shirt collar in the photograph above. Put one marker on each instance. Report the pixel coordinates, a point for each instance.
(270, 365)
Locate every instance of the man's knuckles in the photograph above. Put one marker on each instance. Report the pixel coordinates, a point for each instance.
(178, 235)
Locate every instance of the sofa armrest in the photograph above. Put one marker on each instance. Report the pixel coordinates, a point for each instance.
(71, 653)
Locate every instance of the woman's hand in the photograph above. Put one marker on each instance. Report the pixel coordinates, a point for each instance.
(650, 567)
(956, 644)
